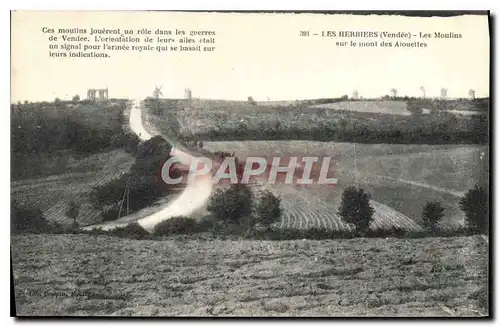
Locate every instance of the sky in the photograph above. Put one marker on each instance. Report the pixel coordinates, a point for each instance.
(258, 55)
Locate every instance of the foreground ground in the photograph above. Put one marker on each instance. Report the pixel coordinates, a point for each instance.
(85, 275)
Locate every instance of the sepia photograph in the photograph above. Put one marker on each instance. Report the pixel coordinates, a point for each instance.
(250, 164)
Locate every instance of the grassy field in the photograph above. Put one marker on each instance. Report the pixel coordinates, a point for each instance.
(401, 177)
(52, 194)
(380, 121)
(100, 115)
(84, 275)
(381, 106)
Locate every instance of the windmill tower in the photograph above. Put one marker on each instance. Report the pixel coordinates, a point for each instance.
(355, 95)
(422, 89)
(472, 94)
(444, 93)
(157, 92)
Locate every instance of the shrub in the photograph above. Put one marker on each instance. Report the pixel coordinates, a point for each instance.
(133, 230)
(231, 204)
(110, 193)
(176, 225)
(144, 180)
(110, 214)
(355, 208)
(268, 209)
(432, 213)
(475, 206)
(128, 141)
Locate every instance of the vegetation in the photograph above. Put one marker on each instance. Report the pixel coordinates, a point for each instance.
(438, 128)
(133, 230)
(41, 132)
(26, 219)
(355, 208)
(268, 209)
(475, 206)
(239, 120)
(231, 205)
(141, 186)
(72, 213)
(176, 225)
(431, 215)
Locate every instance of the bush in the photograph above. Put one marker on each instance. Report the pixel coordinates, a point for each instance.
(176, 225)
(110, 214)
(110, 193)
(133, 230)
(268, 209)
(475, 206)
(432, 213)
(144, 181)
(231, 204)
(355, 208)
(128, 141)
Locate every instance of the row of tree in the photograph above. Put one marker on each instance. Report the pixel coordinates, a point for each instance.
(356, 209)
(437, 128)
(235, 205)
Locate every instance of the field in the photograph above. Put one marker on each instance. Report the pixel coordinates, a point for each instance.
(84, 275)
(380, 121)
(101, 115)
(52, 194)
(400, 179)
(383, 106)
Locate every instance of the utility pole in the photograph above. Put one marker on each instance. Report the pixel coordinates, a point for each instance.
(128, 198)
(125, 194)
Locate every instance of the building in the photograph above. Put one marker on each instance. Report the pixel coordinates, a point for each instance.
(103, 94)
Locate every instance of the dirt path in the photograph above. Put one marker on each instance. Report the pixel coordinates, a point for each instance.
(193, 198)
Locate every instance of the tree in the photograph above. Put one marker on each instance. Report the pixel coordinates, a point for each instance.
(72, 212)
(394, 92)
(475, 205)
(431, 215)
(355, 208)
(76, 98)
(268, 209)
(231, 204)
(57, 101)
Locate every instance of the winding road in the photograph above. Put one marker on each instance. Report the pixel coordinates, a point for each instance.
(194, 197)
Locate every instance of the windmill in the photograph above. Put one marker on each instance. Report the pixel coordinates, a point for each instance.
(472, 94)
(422, 89)
(355, 95)
(444, 93)
(157, 92)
